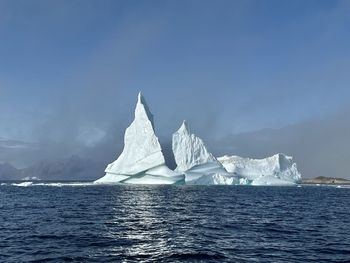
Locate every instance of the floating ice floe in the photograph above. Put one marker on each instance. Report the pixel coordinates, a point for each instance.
(23, 184)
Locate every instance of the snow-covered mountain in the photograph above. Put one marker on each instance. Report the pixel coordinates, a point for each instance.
(142, 160)
(278, 169)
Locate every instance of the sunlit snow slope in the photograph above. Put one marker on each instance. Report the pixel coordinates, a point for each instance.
(142, 160)
(196, 162)
(278, 169)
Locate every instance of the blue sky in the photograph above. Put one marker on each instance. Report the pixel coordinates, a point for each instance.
(70, 70)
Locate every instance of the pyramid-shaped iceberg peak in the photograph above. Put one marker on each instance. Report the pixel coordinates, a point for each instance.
(189, 150)
(142, 160)
(196, 162)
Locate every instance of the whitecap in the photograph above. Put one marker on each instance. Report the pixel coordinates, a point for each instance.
(24, 184)
(54, 184)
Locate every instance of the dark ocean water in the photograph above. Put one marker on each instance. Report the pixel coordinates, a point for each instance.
(174, 224)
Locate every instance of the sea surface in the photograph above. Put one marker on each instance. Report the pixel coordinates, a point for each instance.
(59, 222)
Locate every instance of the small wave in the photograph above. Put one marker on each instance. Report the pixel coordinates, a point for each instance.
(67, 184)
(343, 186)
(196, 256)
(61, 259)
(26, 184)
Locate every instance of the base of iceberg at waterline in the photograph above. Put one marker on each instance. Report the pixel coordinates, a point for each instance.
(158, 175)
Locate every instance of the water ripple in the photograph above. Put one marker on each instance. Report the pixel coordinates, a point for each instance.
(86, 223)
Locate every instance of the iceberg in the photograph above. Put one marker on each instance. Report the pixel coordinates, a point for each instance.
(278, 169)
(196, 162)
(142, 160)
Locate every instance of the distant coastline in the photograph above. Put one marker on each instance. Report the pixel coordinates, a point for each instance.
(326, 180)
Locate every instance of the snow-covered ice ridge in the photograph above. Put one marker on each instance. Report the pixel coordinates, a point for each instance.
(278, 169)
(196, 162)
(142, 160)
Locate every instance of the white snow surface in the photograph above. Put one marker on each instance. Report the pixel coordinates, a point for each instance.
(199, 165)
(142, 150)
(208, 174)
(142, 154)
(278, 169)
(189, 150)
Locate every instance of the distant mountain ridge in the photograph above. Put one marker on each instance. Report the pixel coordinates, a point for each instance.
(8, 172)
(18, 153)
(71, 168)
(325, 180)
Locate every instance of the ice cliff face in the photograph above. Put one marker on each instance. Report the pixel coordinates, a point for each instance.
(196, 162)
(201, 167)
(278, 169)
(142, 160)
(189, 150)
(142, 150)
